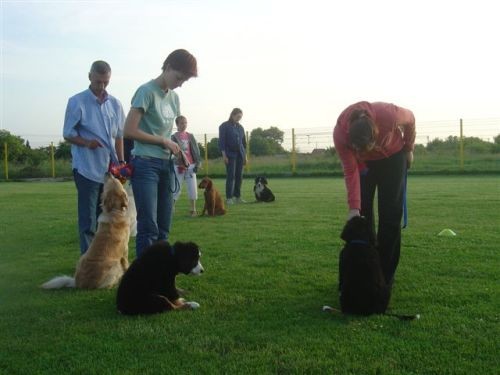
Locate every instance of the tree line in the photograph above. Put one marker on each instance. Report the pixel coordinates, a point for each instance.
(263, 142)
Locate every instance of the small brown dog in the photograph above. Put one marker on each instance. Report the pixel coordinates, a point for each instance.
(214, 205)
(106, 259)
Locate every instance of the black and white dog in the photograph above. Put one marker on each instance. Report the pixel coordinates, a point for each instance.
(362, 286)
(148, 286)
(261, 191)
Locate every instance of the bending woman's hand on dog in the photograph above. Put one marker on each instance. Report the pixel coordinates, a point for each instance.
(352, 213)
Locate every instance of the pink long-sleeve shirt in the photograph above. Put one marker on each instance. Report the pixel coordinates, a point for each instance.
(396, 132)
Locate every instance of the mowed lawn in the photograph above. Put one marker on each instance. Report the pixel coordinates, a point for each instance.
(269, 269)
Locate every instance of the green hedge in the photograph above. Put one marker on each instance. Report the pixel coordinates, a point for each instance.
(325, 164)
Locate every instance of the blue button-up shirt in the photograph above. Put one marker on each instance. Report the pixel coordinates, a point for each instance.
(90, 118)
(232, 139)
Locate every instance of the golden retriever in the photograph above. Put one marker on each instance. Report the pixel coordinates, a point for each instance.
(106, 259)
(214, 205)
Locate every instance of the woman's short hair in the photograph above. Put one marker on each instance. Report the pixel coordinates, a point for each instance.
(234, 112)
(361, 129)
(182, 61)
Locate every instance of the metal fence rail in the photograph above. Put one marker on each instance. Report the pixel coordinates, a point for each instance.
(302, 141)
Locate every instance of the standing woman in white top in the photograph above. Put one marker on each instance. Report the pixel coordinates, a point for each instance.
(189, 146)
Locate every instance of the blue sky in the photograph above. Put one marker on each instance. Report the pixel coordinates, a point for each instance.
(287, 64)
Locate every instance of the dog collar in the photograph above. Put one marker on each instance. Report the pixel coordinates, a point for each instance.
(359, 242)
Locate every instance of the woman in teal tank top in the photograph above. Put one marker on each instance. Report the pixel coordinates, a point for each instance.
(149, 123)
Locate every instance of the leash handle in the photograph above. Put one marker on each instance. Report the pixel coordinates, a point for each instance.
(177, 184)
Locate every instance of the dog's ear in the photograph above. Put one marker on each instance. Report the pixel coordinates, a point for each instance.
(347, 232)
(108, 201)
(187, 246)
(209, 184)
(355, 229)
(203, 183)
(123, 200)
(264, 180)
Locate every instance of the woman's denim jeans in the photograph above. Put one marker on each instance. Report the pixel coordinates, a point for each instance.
(152, 185)
(234, 177)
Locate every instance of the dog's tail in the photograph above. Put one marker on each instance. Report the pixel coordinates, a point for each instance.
(60, 282)
(404, 317)
(331, 309)
(399, 316)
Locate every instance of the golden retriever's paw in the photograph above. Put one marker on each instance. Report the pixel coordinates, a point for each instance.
(192, 305)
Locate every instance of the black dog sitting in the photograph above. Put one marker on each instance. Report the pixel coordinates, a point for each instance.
(362, 286)
(261, 191)
(148, 286)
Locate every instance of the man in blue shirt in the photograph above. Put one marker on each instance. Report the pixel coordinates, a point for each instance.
(232, 144)
(93, 124)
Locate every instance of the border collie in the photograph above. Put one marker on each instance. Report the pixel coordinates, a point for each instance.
(261, 191)
(148, 286)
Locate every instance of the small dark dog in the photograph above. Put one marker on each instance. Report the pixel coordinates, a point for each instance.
(362, 286)
(261, 191)
(148, 286)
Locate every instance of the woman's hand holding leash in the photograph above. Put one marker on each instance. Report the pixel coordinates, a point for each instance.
(171, 145)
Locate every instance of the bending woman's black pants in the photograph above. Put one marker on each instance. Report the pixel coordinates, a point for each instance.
(387, 176)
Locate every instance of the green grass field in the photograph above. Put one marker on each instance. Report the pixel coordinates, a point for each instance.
(269, 268)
